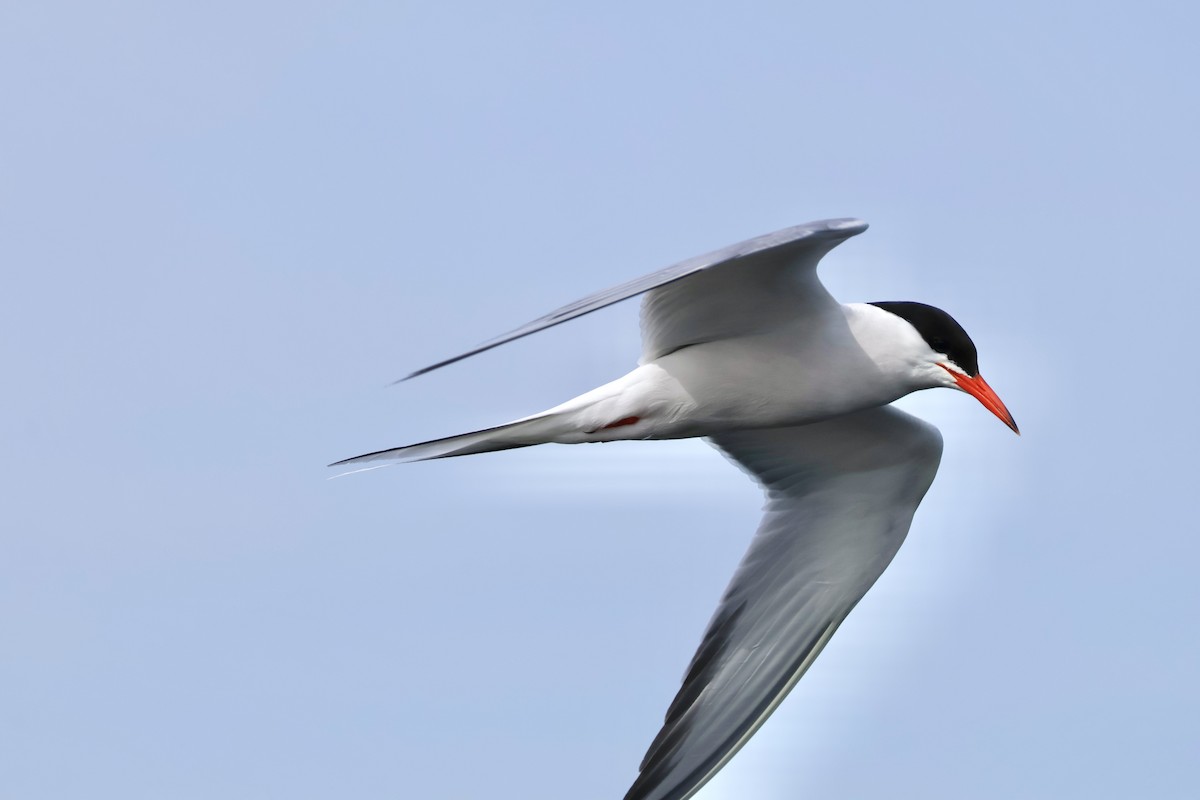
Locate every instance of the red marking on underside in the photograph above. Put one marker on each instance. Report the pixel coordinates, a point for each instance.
(620, 422)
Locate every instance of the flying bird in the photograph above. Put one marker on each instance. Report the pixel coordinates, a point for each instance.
(744, 346)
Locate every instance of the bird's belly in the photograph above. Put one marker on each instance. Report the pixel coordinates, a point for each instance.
(715, 387)
(737, 384)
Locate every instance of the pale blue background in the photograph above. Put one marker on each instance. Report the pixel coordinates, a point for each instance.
(225, 226)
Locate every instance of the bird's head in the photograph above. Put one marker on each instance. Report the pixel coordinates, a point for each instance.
(944, 355)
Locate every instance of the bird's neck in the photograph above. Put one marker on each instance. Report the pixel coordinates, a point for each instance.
(892, 344)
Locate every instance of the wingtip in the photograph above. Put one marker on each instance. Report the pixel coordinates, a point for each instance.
(444, 363)
(848, 224)
(354, 471)
(407, 377)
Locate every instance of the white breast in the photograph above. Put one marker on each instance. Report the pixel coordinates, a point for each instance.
(820, 367)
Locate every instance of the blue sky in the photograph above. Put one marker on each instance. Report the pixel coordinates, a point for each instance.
(224, 227)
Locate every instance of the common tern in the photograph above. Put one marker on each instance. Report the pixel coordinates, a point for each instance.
(745, 347)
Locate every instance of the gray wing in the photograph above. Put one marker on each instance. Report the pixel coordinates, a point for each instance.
(773, 286)
(840, 498)
(801, 244)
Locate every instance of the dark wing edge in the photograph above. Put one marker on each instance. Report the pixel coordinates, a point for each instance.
(818, 231)
(841, 497)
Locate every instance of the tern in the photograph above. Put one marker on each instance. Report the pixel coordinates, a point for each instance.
(744, 346)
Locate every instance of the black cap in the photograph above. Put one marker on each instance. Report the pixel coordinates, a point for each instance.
(940, 331)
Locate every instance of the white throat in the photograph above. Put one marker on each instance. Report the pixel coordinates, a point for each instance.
(896, 347)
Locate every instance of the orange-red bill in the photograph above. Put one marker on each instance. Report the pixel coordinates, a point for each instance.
(978, 388)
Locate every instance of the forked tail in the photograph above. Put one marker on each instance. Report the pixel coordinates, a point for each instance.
(538, 429)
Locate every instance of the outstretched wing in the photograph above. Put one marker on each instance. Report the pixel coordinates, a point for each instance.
(764, 284)
(840, 498)
(801, 245)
